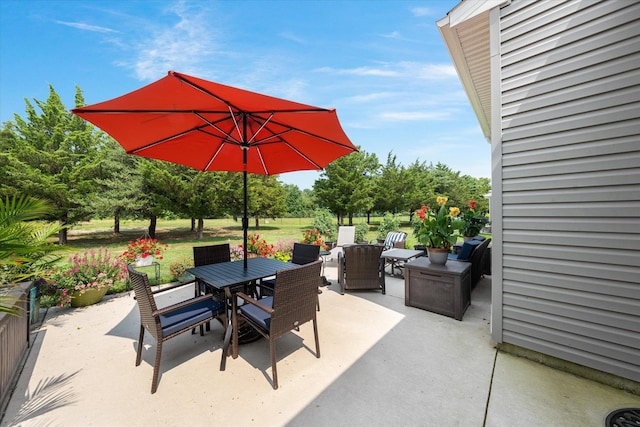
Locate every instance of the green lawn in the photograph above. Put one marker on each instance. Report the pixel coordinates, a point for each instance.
(177, 234)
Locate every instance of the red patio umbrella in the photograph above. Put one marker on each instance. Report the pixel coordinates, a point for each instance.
(209, 126)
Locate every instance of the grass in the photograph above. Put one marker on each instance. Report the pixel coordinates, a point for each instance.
(181, 240)
(178, 235)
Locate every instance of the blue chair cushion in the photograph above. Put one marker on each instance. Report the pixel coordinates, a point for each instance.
(268, 283)
(478, 237)
(466, 251)
(258, 316)
(185, 317)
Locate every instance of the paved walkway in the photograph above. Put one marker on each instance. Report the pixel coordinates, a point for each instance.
(382, 364)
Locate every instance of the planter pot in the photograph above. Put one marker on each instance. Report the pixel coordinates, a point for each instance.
(467, 238)
(186, 277)
(143, 262)
(90, 297)
(34, 305)
(438, 256)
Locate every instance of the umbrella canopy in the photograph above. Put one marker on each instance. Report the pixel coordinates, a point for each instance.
(212, 127)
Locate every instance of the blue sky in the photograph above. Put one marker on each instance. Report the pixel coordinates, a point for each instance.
(381, 64)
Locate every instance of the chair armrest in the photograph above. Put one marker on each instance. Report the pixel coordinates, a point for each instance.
(341, 271)
(182, 304)
(246, 298)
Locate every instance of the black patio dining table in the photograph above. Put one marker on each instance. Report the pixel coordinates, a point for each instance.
(227, 275)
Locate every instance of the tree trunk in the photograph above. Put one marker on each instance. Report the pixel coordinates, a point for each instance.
(350, 218)
(200, 231)
(193, 225)
(116, 223)
(257, 222)
(153, 222)
(62, 235)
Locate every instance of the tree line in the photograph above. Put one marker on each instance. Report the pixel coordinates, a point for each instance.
(55, 156)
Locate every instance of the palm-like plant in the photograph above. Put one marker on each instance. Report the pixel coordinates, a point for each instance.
(26, 251)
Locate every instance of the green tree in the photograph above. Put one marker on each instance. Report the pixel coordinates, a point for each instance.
(297, 202)
(51, 155)
(157, 192)
(119, 184)
(392, 186)
(204, 195)
(267, 197)
(346, 185)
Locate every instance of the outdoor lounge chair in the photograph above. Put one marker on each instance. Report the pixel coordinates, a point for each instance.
(395, 239)
(293, 303)
(473, 251)
(477, 262)
(360, 267)
(169, 322)
(346, 236)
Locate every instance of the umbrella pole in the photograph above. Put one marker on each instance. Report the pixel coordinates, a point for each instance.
(245, 217)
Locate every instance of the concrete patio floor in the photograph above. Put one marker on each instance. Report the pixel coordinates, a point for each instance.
(382, 364)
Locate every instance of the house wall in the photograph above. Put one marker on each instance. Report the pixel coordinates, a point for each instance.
(569, 167)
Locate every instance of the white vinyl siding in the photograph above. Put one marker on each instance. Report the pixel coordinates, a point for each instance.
(570, 181)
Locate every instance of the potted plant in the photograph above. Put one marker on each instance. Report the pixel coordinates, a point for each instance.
(313, 236)
(436, 228)
(87, 278)
(473, 221)
(178, 269)
(143, 251)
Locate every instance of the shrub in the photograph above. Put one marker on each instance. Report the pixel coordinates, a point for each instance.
(178, 267)
(389, 222)
(284, 249)
(361, 232)
(323, 221)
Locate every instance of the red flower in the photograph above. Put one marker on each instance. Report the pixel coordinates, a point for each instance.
(472, 204)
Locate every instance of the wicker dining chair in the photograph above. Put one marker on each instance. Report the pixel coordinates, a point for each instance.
(360, 267)
(168, 322)
(293, 304)
(211, 254)
(302, 254)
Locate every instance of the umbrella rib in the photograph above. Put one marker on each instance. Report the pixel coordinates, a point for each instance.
(213, 157)
(163, 140)
(255, 134)
(213, 125)
(230, 105)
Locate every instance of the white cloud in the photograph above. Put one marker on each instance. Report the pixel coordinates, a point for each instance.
(292, 37)
(369, 97)
(86, 27)
(183, 46)
(421, 11)
(404, 69)
(407, 116)
(392, 35)
(359, 71)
